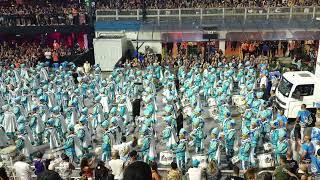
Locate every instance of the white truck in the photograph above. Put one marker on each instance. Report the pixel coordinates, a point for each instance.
(297, 88)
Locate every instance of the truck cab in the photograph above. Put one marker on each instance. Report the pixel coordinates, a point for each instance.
(297, 88)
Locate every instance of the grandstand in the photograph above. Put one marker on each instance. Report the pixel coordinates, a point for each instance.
(195, 89)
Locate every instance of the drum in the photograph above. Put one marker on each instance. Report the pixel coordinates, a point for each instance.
(166, 157)
(212, 102)
(267, 146)
(238, 100)
(164, 100)
(202, 158)
(8, 152)
(235, 159)
(187, 111)
(98, 151)
(265, 160)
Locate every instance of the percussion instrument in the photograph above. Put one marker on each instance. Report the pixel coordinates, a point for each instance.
(8, 152)
(265, 160)
(238, 100)
(164, 100)
(267, 146)
(212, 102)
(202, 158)
(187, 111)
(166, 157)
(235, 159)
(98, 151)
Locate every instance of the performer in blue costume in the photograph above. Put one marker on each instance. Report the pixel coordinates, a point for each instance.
(181, 150)
(72, 146)
(214, 149)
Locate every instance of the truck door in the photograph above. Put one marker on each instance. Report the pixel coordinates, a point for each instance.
(303, 94)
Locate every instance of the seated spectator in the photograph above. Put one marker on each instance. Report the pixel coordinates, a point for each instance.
(154, 170)
(116, 165)
(174, 173)
(138, 171)
(213, 171)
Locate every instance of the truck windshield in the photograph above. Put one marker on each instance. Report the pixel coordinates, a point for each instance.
(285, 87)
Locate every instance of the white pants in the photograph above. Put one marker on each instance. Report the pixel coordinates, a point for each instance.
(252, 160)
(302, 133)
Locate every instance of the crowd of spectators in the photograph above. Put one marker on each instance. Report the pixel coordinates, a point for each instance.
(42, 15)
(171, 4)
(29, 53)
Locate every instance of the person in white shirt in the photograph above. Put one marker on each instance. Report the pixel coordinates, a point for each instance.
(22, 169)
(116, 165)
(124, 148)
(195, 171)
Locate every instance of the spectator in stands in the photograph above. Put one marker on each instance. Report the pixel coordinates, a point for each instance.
(116, 165)
(138, 171)
(22, 168)
(174, 173)
(154, 170)
(39, 163)
(235, 175)
(41, 15)
(213, 171)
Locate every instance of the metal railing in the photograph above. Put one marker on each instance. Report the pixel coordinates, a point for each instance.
(159, 15)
